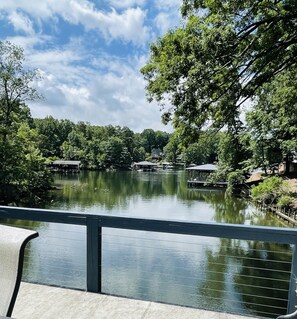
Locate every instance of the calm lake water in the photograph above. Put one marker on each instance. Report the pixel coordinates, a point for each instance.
(202, 272)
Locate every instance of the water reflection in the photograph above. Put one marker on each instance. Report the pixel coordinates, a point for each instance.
(211, 273)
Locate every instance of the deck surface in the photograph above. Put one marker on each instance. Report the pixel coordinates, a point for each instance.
(44, 302)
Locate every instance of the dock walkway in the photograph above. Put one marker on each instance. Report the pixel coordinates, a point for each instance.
(44, 302)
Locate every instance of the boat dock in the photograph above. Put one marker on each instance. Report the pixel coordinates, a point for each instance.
(196, 183)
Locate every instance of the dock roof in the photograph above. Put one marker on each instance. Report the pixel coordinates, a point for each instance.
(204, 167)
(61, 162)
(145, 163)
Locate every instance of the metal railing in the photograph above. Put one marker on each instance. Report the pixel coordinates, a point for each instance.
(95, 223)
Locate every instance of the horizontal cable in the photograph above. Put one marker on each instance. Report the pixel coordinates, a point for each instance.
(217, 298)
(195, 252)
(119, 267)
(160, 282)
(51, 266)
(232, 266)
(195, 244)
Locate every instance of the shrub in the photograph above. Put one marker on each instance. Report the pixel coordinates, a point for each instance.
(234, 179)
(270, 190)
(285, 202)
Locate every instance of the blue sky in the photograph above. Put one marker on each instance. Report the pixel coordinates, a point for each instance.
(89, 54)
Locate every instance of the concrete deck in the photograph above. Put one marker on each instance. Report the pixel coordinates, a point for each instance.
(38, 301)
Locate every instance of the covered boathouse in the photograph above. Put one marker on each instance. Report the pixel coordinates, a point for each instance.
(198, 176)
(145, 166)
(61, 165)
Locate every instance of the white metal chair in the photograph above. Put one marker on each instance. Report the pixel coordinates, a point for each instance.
(289, 316)
(12, 247)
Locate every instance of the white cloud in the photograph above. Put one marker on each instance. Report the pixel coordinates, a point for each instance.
(168, 16)
(81, 82)
(110, 91)
(27, 42)
(126, 3)
(21, 22)
(163, 22)
(128, 25)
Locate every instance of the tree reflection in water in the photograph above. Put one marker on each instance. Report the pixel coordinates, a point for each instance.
(223, 275)
(250, 275)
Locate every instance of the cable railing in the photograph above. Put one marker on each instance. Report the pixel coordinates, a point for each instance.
(221, 267)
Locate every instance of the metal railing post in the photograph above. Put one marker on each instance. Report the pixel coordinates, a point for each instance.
(292, 297)
(94, 254)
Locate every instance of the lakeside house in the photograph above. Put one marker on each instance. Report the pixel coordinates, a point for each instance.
(156, 154)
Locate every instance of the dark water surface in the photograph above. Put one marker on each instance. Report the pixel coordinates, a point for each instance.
(212, 273)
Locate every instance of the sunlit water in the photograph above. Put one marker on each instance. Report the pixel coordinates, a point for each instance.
(186, 270)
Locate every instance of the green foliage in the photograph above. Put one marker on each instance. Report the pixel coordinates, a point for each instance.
(52, 134)
(224, 53)
(205, 150)
(285, 202)
(272, 122)
(153, 139)
(270, 190)
(173, 149)
(235, 179)
(97, 147)
(219, 175)
(22, 167)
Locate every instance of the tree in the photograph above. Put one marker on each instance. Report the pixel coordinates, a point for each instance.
(115, 154)
(148, 139)
(22, 168)
(173, 149)
(273, 121)
(205, 150)
(223, 54)
(52, 134)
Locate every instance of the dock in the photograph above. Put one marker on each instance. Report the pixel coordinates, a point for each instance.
(196, 184)
(65, 166)
(40, 301)
(199, 174)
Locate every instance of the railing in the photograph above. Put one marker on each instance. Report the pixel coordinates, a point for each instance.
(95, 223)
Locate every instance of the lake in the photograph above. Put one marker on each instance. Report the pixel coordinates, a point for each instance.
(211, 273)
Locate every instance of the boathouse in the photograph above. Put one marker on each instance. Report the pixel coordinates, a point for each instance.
(61, 165)
(145, 166)
(199, 174)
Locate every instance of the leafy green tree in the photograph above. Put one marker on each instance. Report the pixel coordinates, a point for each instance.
(273, 121)
(205, 150)
(232, 150)
(161, 139)
(115, 154)
(22, 169)
(148, 139)
(173, 149)
(52, 134)
(127, 137)
(138, 154)
(36, 177)
(223, 54)
(270, 190)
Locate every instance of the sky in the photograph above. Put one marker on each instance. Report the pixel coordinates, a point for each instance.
(89, 54)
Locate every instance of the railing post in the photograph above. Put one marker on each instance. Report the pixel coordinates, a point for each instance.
(292, 298)
(94, 254)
